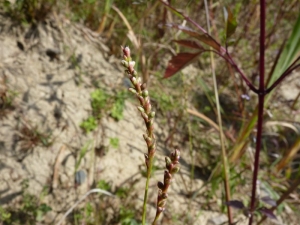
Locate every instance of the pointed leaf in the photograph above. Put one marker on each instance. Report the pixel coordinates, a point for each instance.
(189, 43)
(178, 62)
(236, 204)
(289, 53)
(230, 21)
(205, 38)
(268, 201)
(268, 213)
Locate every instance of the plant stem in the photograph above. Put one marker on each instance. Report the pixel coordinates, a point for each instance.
(261, 98)
(222, 140)
(149, 171)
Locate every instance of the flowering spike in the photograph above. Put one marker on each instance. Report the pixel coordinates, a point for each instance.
(126, 51)
(145, 109)
(132, 64)
(175, 169)
(124, 63)
(144, 115)
(133, 80)
(160, 185)
(152, 115)
(168, 161)
(160, 209)
(145, 93)
(175, 155)
(141, 109)
(162, 202)
(132, 90)
(139, 81)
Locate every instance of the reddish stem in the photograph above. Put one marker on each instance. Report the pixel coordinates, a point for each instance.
(261, 98)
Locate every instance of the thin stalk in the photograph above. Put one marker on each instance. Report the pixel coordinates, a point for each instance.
(222, 140)
(261, 99)
(149, 171)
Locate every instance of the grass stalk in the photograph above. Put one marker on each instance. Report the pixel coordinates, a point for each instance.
(221, 135)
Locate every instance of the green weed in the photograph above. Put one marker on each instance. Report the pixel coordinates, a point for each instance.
(89, 124)
(5, 215)
(114, 142)
(31, 211)
(127, 217)
(82, 154)
(118, 105)
(99, 102)
(104, 185)
(32, 136)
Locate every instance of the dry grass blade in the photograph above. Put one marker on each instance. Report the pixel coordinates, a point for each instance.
(283, 124)
(205, 118)
(131, 35)
(57, 164)
(289, 155)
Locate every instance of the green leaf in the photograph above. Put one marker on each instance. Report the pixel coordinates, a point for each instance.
(82, 153)
(118, 106)
(104, 185)
(230, 21)
(89, 124)
(290, 52)
(114, 142)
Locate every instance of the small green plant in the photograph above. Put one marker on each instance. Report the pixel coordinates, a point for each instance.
(89, 124)
(82, 154)
(118, 105)
(32, 136)
(99, 102)
(127, 217)
(114, 142)
(102, 103)
(5, 215)
(88, 212)
(28, 11)
(7, 97)
(31, 211)
(85, 215)
(122, 192)
(104, 185)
